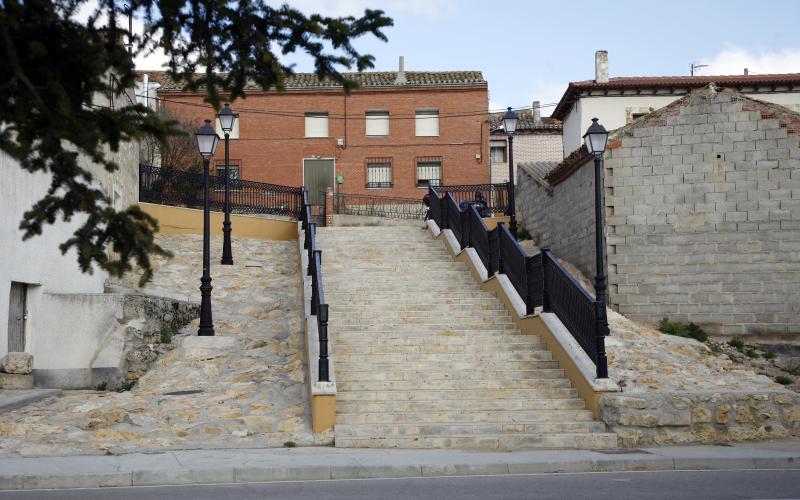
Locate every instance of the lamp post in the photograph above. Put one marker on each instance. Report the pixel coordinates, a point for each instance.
(227, 118)
(510, 126)
(207, 141)
(596, 138)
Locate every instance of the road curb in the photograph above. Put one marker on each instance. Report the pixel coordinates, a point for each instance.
(233, 474)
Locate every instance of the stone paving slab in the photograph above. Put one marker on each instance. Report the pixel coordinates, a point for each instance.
(321, 463)
(13, 399)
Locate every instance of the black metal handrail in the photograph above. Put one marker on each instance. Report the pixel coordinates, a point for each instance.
(540, 280)
(183, 188)
(494, 195)
(318, 307)
(378, 206)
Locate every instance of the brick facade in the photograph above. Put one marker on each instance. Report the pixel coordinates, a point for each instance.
(272, 145)
(702, 215)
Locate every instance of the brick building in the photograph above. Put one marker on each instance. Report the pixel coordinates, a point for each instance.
(536, 139)
(397, 133)
(702, 214)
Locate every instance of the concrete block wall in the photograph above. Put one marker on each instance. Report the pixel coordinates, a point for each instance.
(703, 216)
(561, 216)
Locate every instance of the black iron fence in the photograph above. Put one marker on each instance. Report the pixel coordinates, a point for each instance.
(495, 196)
(378, 206)
(182, 188)
(540, 280)
(319, 308)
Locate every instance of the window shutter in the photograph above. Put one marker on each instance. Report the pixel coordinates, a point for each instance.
(316, 124)
(377, 123)
(427, 122)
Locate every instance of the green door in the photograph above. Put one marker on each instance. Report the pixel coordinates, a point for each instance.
(317, 176)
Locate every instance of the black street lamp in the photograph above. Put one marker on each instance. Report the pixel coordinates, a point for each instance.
(510, 126)
(207, 140)
(226, 120)
(596, 138)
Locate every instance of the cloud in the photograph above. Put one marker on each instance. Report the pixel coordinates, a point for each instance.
(733, 61)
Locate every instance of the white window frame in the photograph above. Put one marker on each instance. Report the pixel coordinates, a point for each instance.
(316, 125)
(427, 123)
(376, 123)
(494, 147)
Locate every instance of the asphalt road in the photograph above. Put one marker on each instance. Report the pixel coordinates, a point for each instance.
(751, 484)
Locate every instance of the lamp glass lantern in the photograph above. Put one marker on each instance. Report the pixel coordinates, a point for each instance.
(595, 138)
(510, 122)
(227, 118)
(207, 140)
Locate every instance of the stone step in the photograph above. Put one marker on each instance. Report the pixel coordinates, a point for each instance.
(507, 441)
(428, 347)
(429, 429)
(453, 416)
(408, 306)
(443, 357)
(362, 373)
(556, 379)
(511, 341)
(345, 322)
(465, 405)
(470, 310)
(458, 395)
(378, 332)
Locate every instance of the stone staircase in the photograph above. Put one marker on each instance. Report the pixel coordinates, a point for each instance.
(425, 359)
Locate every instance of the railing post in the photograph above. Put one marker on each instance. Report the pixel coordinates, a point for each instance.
(445, 217)
(490, 268)
(600, 332)
(312, 229)
(464, 219)
(500, 247)
(322, 327)
(530, 268)
(545, 284)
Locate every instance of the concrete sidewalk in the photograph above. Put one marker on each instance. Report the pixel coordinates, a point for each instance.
(254, 465)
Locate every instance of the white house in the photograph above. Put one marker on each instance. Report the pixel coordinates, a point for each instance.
(618, 101)
(48, 307)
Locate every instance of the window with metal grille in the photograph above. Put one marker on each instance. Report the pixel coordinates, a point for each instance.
(498, 154)
(429, 171)
(427, 123)
(234, 170)
(377, 123)
(379, 173)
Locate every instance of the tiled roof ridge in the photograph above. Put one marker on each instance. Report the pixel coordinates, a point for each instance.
(526, 122)
(668, 81)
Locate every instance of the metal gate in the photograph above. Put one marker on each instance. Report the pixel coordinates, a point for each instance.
(16, 317)
(318, 175)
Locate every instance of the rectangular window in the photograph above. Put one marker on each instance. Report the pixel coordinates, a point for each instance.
(317, 124)
(429, 171)
(377, 123)
(427, 122)
(379, 173)
(498, 154)
(234, 134)
(636, 116)
(235, 169)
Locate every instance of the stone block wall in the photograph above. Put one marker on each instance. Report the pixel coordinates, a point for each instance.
(562, 216)
(703, 215)
(656, 419)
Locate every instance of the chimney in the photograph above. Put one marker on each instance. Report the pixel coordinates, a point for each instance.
(601, 66)
(745, 72)
(401, 73)
(537, 112)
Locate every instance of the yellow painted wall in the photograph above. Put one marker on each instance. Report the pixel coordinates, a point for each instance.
(189, 220)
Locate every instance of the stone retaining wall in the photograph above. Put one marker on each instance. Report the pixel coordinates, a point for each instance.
(700, 418)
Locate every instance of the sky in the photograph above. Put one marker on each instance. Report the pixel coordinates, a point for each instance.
(530, 50)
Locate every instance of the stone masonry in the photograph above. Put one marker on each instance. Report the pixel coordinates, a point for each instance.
(702, 215)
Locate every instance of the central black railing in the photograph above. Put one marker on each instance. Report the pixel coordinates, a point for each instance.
(378, 206)
(540, 280)
(183, 188)
(319, 308)
(494, 195)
